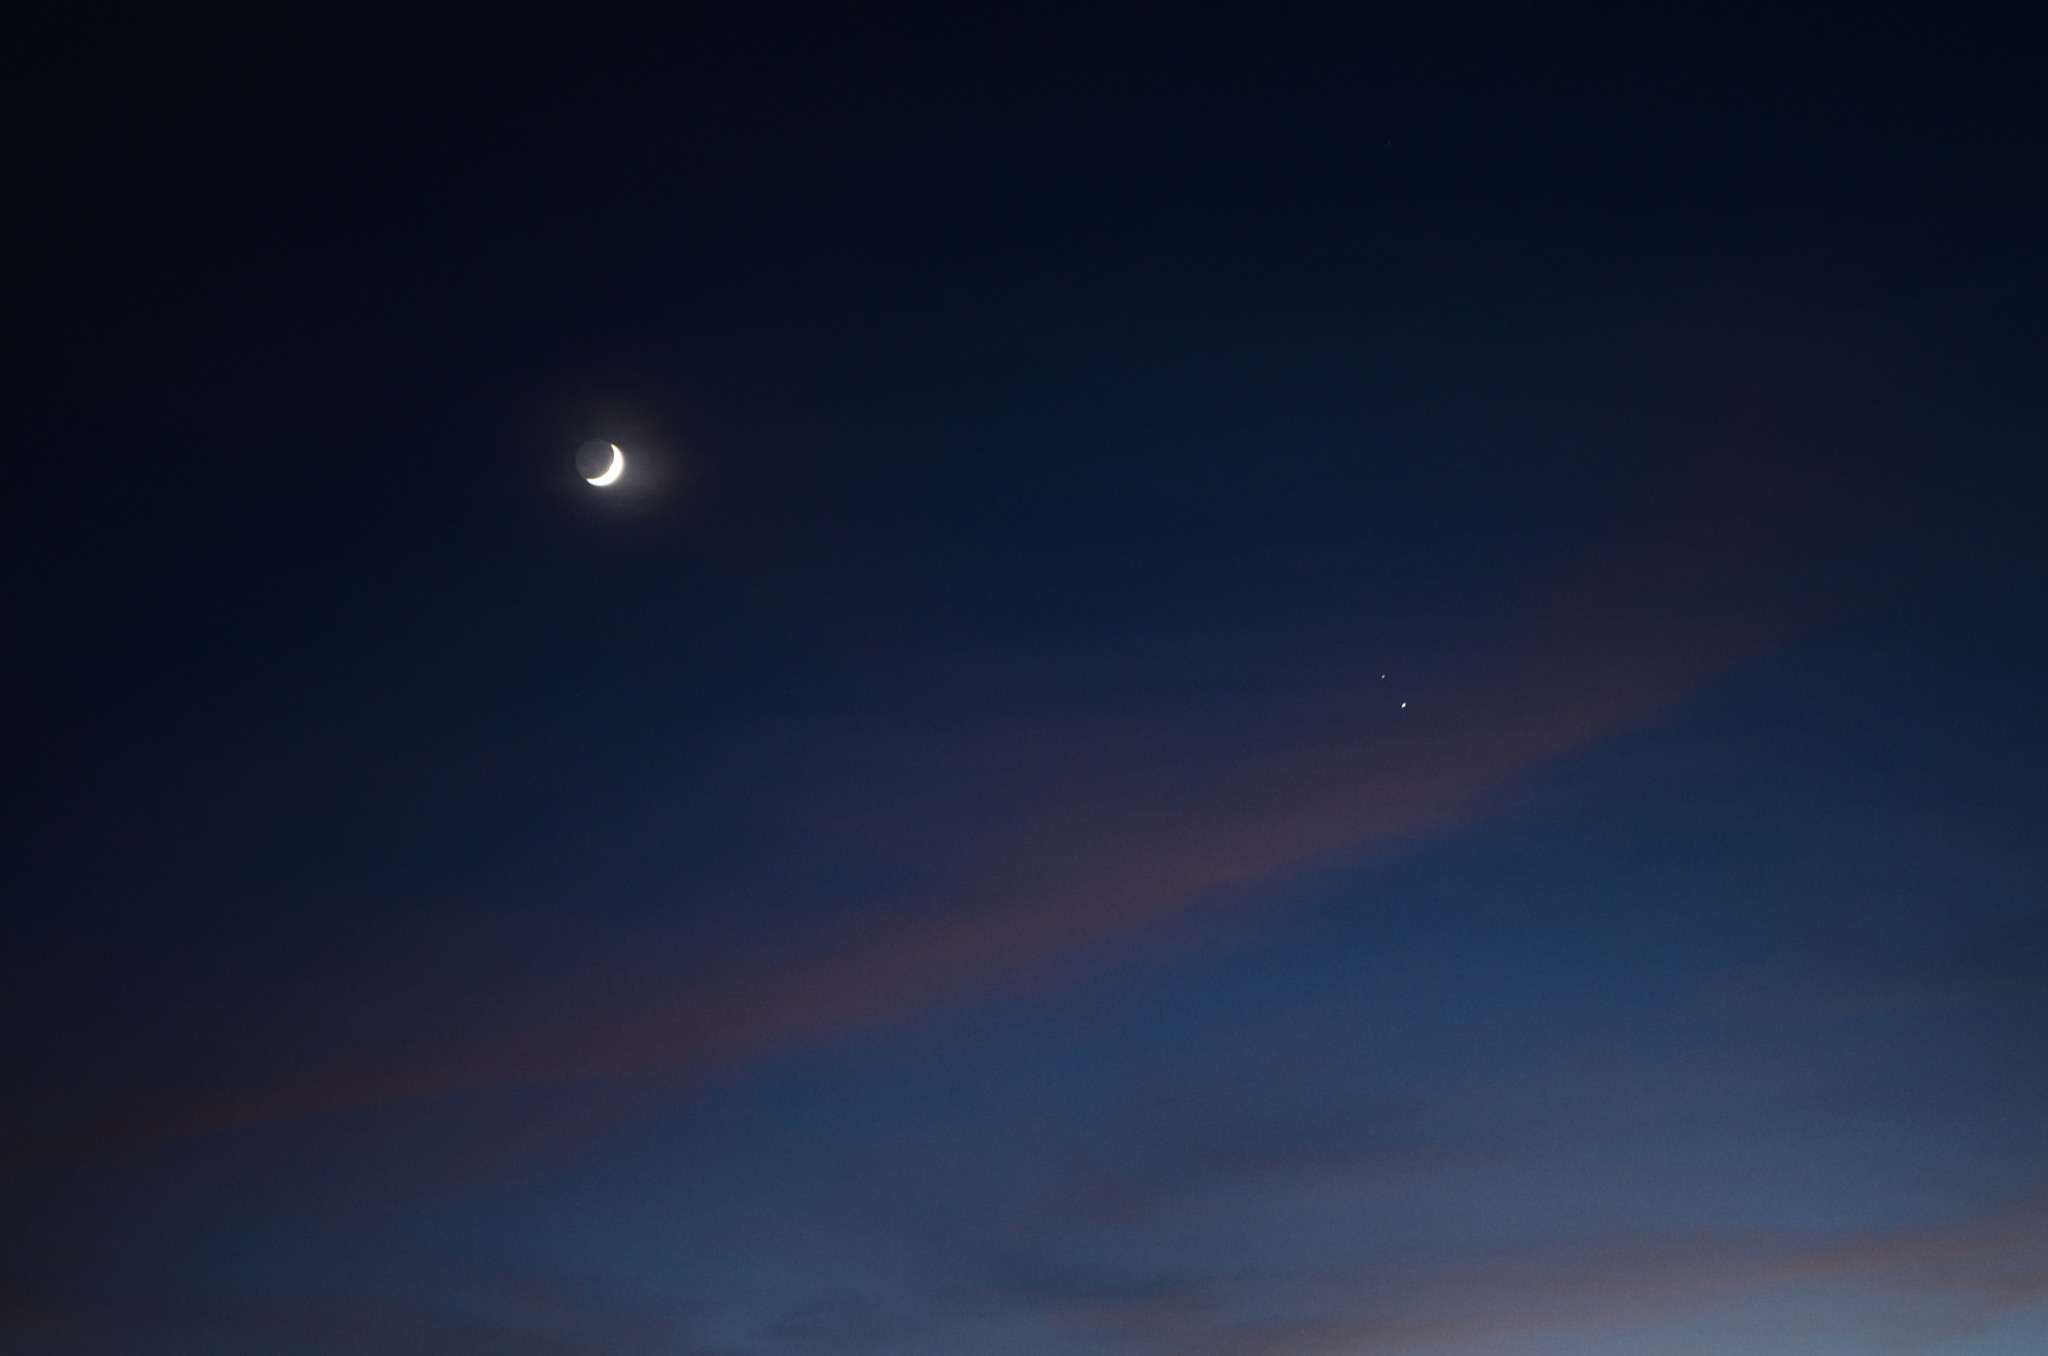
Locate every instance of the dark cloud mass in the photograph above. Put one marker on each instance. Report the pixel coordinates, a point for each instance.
(1268, 684)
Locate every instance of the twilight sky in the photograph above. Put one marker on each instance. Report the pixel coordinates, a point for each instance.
(1265, 684)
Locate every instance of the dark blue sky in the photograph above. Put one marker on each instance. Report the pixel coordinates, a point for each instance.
(1265, 685)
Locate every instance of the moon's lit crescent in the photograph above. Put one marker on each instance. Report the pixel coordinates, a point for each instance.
(611, 472)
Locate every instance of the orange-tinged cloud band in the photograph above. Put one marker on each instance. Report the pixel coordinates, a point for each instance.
(1073, 887)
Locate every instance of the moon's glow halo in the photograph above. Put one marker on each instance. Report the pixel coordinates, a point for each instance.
(611, 472)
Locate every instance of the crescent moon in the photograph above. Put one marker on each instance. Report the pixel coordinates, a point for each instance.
(611, 472)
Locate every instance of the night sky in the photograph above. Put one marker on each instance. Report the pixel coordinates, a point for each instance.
(1325, 682)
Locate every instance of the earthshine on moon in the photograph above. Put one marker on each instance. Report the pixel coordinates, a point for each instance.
(612, 472)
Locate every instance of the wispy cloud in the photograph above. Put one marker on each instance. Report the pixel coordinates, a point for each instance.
(1071, 887)
(1446, 1298)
